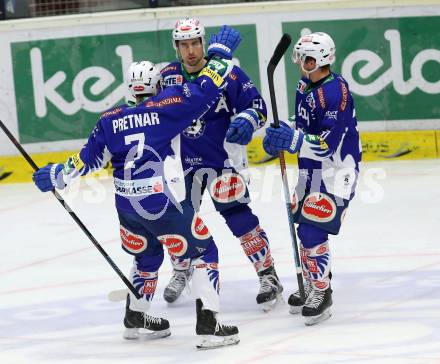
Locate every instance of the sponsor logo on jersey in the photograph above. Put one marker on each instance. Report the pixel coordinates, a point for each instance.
(77, 162)
(147, 274)
(253, 241)
(227, 188)
(248, 85)
(321, 97)
(132, 242)
(173, 80)
(194, 161)
(316, 140)
(268, 262)
(322, 249)
(176, 244)
(168, 68)
(150, 286)
(139, 187)
(233, 76)
(186, 91)
(304, 253)
(312, 265)
(319, 207)
(301, 86)
(331, 115)
(310, 99)
(111, 112)
(165, 102)
(320, 285)
(344, 96)
(199, 229)
(196, 129)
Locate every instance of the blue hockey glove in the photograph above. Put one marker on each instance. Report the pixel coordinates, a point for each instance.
(224, 43)
(282, 138)
(49, 177)
(242, 127)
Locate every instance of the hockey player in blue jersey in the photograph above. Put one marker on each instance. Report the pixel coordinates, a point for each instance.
(214, 148)
(326, 138)
(140, 141)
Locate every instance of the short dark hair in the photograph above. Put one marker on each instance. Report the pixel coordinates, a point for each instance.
(178, 40)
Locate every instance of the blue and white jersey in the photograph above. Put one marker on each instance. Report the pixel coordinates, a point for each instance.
(203, 143)
(141, 143)
(331, 152)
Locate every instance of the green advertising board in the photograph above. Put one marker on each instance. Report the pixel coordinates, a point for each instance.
(62, 85)
(392, 65)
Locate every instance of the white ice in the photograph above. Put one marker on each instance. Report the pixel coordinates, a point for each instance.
(386, 279)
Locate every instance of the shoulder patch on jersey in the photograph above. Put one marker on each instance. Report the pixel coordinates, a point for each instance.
(344, 91)
(227, 188)
(134, 243)
(321, 97)
(233, 76)
(165, 102)
(319, 207)
(199, 229)
(176, 244)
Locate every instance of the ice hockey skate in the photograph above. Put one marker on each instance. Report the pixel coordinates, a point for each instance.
(295, 302)
(213, 334)
(177, 284)
(140, 326)
(317, 307)
(270, 289)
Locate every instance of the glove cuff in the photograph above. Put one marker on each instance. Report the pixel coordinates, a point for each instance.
(221, 46)
(56, 176)
(250, 115)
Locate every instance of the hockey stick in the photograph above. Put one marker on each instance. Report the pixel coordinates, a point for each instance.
(72, 214)
(281, 48)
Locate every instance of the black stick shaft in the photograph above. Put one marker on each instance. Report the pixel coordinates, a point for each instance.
(281, 48)
(73, 215)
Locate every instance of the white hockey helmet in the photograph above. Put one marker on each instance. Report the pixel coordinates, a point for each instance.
(320, 46)
(143, 78)
(188, 28)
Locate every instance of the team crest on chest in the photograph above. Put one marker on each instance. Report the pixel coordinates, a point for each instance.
(196, 130)
(311, 101)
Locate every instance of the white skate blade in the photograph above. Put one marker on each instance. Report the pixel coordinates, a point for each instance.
(117, 295)
(145, 335)
(270, 305)
(313, 320)
(214, 342)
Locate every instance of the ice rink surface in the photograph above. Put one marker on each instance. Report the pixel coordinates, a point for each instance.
(386, 279)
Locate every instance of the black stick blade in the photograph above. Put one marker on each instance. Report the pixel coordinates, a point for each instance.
(281, 48)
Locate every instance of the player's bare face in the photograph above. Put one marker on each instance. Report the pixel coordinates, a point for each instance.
(191, 52)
